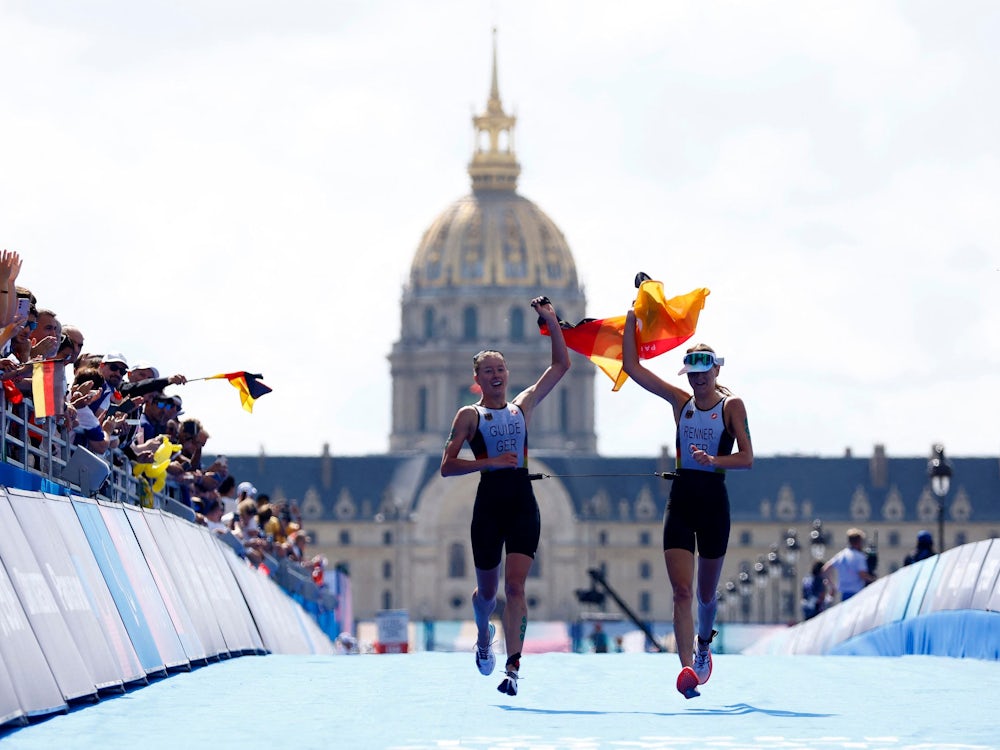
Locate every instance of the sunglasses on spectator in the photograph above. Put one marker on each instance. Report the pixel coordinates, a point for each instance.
(115, 367)
(166, 404)
(31, 325)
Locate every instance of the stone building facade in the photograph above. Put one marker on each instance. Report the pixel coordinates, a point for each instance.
(402, 531)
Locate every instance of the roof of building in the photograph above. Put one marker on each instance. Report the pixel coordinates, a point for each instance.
(786, 488)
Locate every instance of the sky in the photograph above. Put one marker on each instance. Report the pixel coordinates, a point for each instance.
(219, 185)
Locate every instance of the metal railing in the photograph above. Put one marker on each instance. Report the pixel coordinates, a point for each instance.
(43, 447)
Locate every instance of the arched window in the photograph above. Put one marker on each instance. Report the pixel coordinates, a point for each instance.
(345, 537)
(386, 569)
(387, 599)
(470, 324)
(516, 324)
(456, 561)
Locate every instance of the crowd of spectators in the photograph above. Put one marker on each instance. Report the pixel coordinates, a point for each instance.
(132, 418)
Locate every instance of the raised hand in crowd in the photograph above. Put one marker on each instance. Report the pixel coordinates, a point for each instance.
(82, 394)
(10, 267)
(145, 452)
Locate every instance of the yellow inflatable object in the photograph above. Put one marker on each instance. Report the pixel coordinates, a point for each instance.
(156, 471)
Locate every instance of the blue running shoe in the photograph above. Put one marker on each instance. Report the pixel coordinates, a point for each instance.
(485, 659)
(703, 658)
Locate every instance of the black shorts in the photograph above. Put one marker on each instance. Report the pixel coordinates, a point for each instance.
(698, 512)
(505, 514)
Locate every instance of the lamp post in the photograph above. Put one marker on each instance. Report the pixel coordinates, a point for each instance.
(721, 603)
(774, 572)
(732, 594)
(746, 590)
(939, 472)
(760, 575)
(817, 541)
(791, 555)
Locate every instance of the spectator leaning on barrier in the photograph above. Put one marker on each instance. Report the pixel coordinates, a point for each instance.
(814, 592)
(270, 524)
(246, 520)
(227, 494)
(157, 413)
(211, 516)
(925, 548)
(88, 431)
(207, 480)
(72, 335)
(295, 547)
(185, 471)
(245, 491)
(848, 569)
(247, 530)
(112, 368)
(20, 345)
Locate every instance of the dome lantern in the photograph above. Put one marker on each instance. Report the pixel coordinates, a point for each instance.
(494, 165)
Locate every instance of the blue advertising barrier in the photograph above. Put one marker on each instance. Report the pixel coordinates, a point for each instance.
(41, 609)
(31, 684)
(97, 597)
(68, 589)
(66, 522)
(945, 605)
(122, 592)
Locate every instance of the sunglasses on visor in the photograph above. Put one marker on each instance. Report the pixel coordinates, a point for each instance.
(700, 359)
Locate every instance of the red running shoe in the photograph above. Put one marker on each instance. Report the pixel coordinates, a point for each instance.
(687, 683)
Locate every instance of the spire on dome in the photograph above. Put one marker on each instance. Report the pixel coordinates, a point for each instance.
(494, 165)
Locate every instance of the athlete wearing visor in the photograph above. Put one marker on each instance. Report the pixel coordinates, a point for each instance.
(710, 422)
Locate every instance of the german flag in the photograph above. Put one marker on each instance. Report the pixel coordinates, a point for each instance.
(662, 324)
(248, 384)
(48, 388)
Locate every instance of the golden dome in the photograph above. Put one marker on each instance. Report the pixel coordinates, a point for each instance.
(493, 237)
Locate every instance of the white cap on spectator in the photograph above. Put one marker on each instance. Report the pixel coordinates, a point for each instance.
(144, 365)
(115, 357)
(246, 487)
